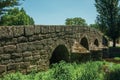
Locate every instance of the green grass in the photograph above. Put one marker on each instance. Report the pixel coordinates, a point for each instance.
(98, 70)
(117, 58)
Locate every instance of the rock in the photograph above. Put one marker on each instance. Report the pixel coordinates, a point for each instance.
(9, 48)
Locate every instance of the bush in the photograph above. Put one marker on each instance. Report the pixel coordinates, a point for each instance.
(114, 73)
(91, 71)
(97, 70)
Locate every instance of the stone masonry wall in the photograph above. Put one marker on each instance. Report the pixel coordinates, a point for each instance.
(25, 47)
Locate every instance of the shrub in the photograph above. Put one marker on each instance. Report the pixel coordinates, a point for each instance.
(114, 73)
(97, 70)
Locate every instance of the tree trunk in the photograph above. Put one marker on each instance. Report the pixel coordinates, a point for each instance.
(114, 42)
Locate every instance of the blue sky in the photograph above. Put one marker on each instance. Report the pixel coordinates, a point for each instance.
(54, 12)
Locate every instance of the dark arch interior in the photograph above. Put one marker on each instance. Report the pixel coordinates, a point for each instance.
(96, 42)
(84, 43)
(60, 53)
(104, 41)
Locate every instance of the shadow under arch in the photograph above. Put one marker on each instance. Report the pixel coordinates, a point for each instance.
(105, 41)
(84, 43)
(60, 53)
(96, 42)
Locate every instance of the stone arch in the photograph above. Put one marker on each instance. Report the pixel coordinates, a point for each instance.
(84, 43)
(59, 53)
(96, 43)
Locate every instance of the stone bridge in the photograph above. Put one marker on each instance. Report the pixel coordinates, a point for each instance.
(25, 47)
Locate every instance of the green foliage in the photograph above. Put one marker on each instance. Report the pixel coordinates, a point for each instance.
(114, 73)
(16, 17)
(64, 73)
(76, 21)
(117, 58)
(108, 18)
(92, 71)
(71, 71)
(7, 4)
(12, 76)
(96, 26)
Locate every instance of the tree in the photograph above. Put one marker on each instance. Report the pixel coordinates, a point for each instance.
(96, 26)
(16, 17)
(6, 4)
(108, 18)
(76, 21)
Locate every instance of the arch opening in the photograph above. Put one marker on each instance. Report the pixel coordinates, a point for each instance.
(105, 41)
(84, 43)
(60, 53)
(96, 43)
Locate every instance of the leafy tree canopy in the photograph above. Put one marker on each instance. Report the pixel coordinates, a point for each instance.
(16, 17)
(6, 4)
(96, 26)
(76, 21)
(109, 18)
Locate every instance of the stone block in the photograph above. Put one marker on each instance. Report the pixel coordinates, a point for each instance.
(51, 29)
(2, 69)
(36, 52)
(21, 47)
(42, 29)
(10, 31)
(1, 50)
(9, 48)
(6, 32)
(4, 62)
(42, 62)
(18, 59)
(5, 56)
(18, 31)
(22, 39)
(63, 29)
(34, 37)
(3, 32)
(47, 36)
(13, 41)
(44, 42)
(45, 57)
(31, 68)
(40, 68)
(31, 46)
(13, 66)
(50, 41)
(2, 43)
(16, 55)
(37, 29)
(36, 57)
(53, 35)
(29, 30)
(42, 52)
(24, 65)
(37, 45)
(27, 54)
(27, 59)
(40, 37)
(57, 28)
